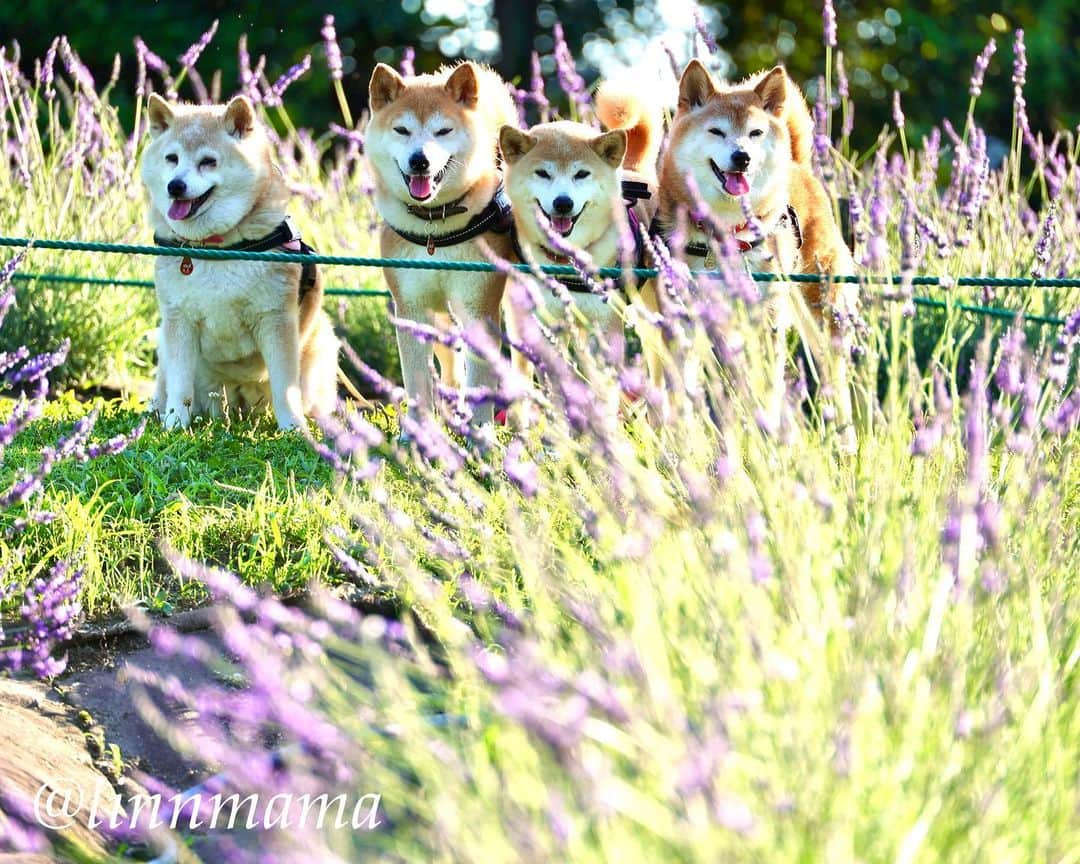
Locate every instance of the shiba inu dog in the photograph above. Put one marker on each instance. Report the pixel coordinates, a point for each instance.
(585, 186)
(745, 150)
(234, 334)
(431, 142)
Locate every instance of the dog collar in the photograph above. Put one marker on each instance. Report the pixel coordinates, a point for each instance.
(437, 214)
(632, 191)
(701, 250)
(494, 217)
(285, 236)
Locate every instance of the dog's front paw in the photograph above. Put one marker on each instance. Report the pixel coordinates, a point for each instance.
(290, 422)
(176, 417)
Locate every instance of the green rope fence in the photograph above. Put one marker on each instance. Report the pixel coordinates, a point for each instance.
(146, 283)
(202, 253)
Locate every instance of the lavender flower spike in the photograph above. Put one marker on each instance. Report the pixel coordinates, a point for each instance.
(897, 110)
(190, 57)
(828, 16)
(277, 91)
(982, 63)
(333, 50)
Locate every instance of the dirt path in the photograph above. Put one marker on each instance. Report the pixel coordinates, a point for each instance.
(83, 739)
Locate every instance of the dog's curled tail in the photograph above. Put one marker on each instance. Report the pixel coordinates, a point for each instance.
(622, 105)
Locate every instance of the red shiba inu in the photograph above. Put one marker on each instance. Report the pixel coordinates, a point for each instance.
(431, 142)
(745, 150)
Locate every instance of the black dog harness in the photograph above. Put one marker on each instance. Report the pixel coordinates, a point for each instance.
(494, 217)
(285, 237)
(701, 250)
(632, 192)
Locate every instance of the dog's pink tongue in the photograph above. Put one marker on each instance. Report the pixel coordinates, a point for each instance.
(735, 183)
(419, 185)
(562, 224)
(180, 208)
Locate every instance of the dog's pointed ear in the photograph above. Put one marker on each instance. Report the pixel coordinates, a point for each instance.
(463, 85)
(772, 90)
(513, 144)
(611, 146)
(385, 86)
(695, 86)
(160, 115)
(239, 117)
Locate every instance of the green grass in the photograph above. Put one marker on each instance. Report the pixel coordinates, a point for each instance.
(241, 495)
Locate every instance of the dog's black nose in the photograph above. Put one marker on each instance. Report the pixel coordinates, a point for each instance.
(740, 160)
(177, 188)
(419, 162)
(563, 205)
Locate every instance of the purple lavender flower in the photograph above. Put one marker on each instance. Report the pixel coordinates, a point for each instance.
(928, 436)
(155, 64)
(703, 31)
(843, 89)
(1019, 79)
(828, 16)
(408, 62)
(77, 69)
(1019, 75)
(276, 93)
(48, 68)
(982, 63)
(250, 76)
(877, 248)
(1047, 238)
(20, 827)
(48, 614)
(190, 57)
(333, 50)
(897, 110)
(1008, 375)
(536, 87)
(572, 83)
(519, 469)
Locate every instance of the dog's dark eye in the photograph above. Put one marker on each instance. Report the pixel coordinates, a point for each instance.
(439, 133)
(401, 130)
(757, 133)
(581, 175)
(542, 174)
(171, 158)
(718, 132)
(208, 162)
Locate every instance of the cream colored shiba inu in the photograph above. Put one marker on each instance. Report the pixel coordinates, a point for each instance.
(431, 142)
(584, 186)
(234, 334)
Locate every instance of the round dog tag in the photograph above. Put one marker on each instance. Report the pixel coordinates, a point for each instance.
(186, 266)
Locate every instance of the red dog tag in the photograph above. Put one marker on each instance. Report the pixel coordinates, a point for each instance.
(186, 266)
(431, 244)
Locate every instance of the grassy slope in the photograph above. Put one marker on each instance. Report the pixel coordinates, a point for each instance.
(243, 496)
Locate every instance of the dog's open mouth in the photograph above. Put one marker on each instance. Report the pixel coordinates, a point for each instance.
(561, 225)
(185, 208)
(421, 186)
(734, 182)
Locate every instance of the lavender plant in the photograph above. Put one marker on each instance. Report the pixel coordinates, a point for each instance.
(49, 607)
(688, 628)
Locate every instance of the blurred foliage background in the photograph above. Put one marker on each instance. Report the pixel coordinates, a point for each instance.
(924, 49)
